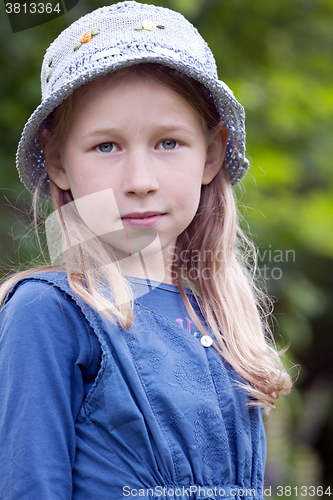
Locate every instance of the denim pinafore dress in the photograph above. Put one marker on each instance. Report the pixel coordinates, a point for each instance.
(166, 417)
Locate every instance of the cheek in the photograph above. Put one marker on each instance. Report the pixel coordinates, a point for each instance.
(82, 180)
(187, 199)
(78, 174)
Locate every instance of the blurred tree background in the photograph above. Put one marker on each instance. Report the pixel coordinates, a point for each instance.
(277, 57)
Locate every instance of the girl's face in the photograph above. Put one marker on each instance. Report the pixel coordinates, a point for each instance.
(140, 153)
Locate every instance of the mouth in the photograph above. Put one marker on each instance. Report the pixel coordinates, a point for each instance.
(142, 219)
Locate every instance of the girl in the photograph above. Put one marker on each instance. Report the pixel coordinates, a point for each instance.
(136, 364)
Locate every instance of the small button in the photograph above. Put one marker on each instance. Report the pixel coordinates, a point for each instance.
(196, 334)
(206, 341)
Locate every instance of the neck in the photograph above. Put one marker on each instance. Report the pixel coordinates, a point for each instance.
(151, 263)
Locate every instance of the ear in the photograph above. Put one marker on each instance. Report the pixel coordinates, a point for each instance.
(216, 149)
(53, 164)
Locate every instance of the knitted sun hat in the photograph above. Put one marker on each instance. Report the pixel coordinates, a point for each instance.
(118, 36)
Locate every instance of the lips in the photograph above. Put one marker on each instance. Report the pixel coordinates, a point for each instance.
(142, 219)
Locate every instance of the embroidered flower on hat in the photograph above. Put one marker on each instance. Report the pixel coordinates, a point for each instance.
(149, 26)
(86, 37)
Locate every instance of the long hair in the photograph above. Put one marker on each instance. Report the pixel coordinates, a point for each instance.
(220, 260)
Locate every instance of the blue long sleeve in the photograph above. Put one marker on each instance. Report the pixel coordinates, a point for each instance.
(47, 358)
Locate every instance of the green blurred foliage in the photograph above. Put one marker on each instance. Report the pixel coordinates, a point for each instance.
(277, 56)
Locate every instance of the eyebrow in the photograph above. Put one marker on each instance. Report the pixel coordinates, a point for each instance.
(165, 129)
(159, 129)
(105, 131)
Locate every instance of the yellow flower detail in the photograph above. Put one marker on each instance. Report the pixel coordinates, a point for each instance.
(149, 26)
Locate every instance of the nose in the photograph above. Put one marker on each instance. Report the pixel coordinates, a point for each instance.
(140, 178)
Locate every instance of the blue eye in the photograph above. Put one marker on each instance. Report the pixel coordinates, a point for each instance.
(169, 144)
(106, 147)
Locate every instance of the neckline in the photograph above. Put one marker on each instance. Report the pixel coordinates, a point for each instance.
(156, 284)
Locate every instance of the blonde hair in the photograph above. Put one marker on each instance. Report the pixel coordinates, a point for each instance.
(235, 309)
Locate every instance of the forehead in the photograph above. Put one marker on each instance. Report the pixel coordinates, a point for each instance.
(133, 75)
(151, 76)
(131, 93)
(133, 105)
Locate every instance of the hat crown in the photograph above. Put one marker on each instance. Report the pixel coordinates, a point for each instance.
(128, 28)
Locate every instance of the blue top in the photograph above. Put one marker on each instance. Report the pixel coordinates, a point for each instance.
(90, 411)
